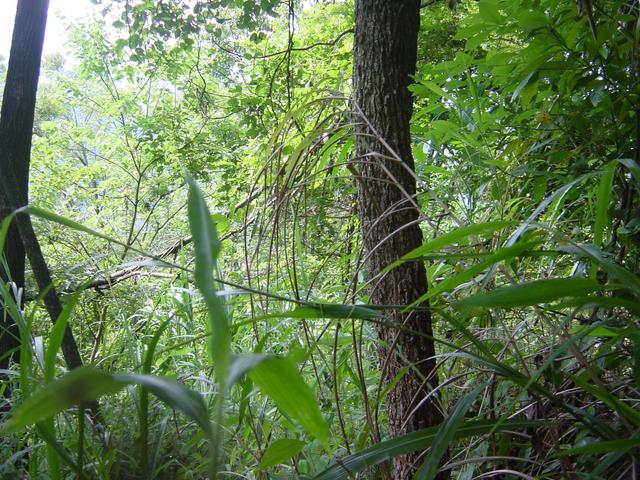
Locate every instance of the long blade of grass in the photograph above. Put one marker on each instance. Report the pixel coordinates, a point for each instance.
(85, 384)
(207, 247)
(418, 440)
(453, 281)
(531, 293)
(454, 237)
(445, 435)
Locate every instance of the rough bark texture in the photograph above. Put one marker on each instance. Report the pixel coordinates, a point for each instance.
(385, 49)
(16, 125)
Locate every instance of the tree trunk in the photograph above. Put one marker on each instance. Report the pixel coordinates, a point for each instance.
(385, 49)
(16, 126)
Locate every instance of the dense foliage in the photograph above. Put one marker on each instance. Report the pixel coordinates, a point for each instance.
(249, 323)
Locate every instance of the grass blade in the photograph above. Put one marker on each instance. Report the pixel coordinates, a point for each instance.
(418, 440)
(445, 435)
(531, 293)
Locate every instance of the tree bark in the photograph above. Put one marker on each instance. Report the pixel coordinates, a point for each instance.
(16, 130)
(385, 49)
(16, 126)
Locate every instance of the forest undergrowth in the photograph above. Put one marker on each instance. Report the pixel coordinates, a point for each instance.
(225, 321)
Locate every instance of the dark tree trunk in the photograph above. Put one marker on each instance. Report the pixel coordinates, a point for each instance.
(16, 126)
(385, 49)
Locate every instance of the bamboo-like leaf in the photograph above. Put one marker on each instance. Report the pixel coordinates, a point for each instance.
(609, 399)
(602, 204)
(451, 238)
(532, 293)
(173, 393)
(329, 310)
(616, 272)
(56, 336)
(599, 448)
(279, 379)
(633, 167)
(4, 228)
(592, 300)
(85, 384)
(445, 435)
(79, 386)
(418, 440)
(207, 248)
(280, 451)
(453, 281)
(241, 365)
(67, 222)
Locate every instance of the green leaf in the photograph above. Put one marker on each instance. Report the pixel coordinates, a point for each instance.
(329, 310)
(53, 217)
(278, 378)
(280, 451)
(633, 167)
(609, 399)
(85, 384)
(602, 206)
(522, 84)
(56, 336)
(531, 293)
(418, 440)
(81, 385)
(241, 365)
(445, 435)
(173, 393)
(623, 275)
(453, 281)
(4, 229)
(602, 447)
(451, 238)
(207, 248)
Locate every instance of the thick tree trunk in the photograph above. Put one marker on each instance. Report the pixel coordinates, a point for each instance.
(16, 125)
(385, 49)
(16, 130)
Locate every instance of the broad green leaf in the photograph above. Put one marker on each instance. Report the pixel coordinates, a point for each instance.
(85, 384)
(280, 451)
(80, 385)
(454, 237)
(174, 394)
(419, 440)
(531, 293)
(242, 364)
(602, 447)
(602, 205)
(279, 379)
(445, 435)
(453, 281)
(207, 248)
